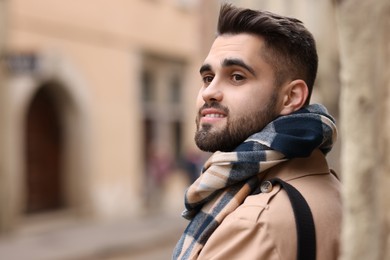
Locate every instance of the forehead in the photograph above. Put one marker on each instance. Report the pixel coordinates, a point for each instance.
(242, 46)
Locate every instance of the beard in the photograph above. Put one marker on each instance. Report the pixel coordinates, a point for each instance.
(236, 131)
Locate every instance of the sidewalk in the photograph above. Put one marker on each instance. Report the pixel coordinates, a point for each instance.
(146, 238)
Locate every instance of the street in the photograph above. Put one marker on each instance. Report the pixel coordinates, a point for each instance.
(144, 238)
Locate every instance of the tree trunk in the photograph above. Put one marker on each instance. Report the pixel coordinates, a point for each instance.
(365, 54)
(3, 189)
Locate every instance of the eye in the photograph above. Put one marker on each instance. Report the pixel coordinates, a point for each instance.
(237, 77)
(207, 79)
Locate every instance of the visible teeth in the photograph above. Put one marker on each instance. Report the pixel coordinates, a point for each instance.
(214, 115)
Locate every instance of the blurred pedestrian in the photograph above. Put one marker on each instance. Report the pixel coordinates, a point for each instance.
(192, 163)
(158, 168)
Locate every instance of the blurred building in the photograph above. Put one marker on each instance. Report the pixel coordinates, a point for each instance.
(90, 91)
(97, 100)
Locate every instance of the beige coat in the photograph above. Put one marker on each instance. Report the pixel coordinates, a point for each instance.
(263, 227)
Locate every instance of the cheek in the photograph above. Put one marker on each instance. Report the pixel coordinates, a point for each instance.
(250, 104)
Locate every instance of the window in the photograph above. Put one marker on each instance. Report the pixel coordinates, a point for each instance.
(162, 83)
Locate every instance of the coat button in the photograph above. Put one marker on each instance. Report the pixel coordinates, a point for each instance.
(266, 187)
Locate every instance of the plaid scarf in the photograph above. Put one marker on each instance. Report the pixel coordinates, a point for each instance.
(228, 178)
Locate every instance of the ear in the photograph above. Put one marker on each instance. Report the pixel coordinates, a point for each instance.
(294, 96)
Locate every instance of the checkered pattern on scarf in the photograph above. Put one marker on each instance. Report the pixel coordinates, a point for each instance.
(229, 177)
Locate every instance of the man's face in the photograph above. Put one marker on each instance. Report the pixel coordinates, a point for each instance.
(238, 97)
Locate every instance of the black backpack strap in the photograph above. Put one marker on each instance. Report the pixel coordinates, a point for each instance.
(306, 235)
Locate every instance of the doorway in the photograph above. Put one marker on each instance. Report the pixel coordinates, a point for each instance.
(44, 154)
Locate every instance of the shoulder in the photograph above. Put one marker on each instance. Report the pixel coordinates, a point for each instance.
(271, 217)
(264, 224)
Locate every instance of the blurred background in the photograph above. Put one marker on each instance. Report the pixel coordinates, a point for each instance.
(97, 110)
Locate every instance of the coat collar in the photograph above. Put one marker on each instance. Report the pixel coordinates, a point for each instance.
(299, 167)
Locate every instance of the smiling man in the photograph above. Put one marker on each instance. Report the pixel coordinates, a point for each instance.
(232, 75)
(268, 145)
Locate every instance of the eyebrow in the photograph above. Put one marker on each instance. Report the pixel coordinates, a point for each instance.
(239, 63)
(205, 67)
(229, 63)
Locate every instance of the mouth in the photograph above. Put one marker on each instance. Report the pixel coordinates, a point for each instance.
(212, 115)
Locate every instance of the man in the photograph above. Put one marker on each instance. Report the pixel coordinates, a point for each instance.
(254, 115)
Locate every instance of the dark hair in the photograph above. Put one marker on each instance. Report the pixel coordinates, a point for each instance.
(289, 47)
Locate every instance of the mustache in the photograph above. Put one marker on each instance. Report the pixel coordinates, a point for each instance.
(215, 105)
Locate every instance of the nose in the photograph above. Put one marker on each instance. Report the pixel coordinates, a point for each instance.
(212, 92)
